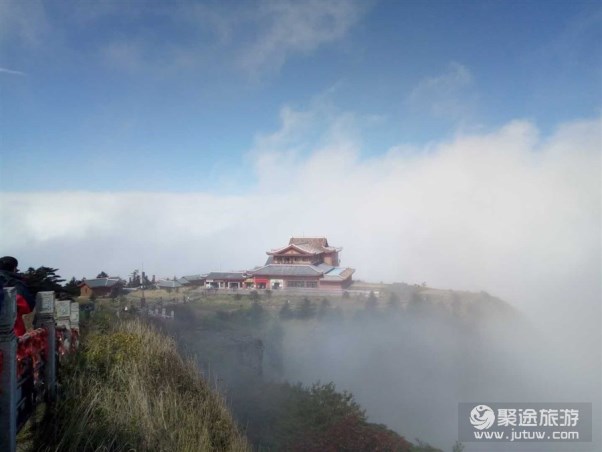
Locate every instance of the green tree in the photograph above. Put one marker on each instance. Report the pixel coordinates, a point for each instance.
(102, 274)
(281, 416)
(325, 308)
(305, 309)
(372, 302)
(286, 312)
(319, 418)
(43, 279)
(394, 302)
(256, 312)
(72, 287)
(116, 291)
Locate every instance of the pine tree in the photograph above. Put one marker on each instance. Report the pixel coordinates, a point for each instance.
(43, 279)
(72, 287)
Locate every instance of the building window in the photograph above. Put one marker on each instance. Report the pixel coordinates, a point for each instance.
(295, 283)
(313, 284)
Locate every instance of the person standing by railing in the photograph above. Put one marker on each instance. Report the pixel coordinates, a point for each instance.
(9, 277)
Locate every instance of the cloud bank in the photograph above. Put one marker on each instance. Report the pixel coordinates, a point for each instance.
(506, 211)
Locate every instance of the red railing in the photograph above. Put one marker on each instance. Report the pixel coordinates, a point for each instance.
(32, 350)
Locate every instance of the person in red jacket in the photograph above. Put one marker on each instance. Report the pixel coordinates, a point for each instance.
(25, 301)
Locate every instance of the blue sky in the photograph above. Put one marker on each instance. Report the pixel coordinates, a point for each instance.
(125, 96)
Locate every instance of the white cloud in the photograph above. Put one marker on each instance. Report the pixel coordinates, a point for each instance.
(278, 156)
(448, 95)
(254, 38)
(11, 71)
(23, 23)
(289, 28)
(125, 55)
(507, 211)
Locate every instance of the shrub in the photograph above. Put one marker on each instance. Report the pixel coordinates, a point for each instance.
(315, 418)
(286, 312)
(305, 309)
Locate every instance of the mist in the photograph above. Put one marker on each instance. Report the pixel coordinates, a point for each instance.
(408, 364)
(510, 211)
(410, 370)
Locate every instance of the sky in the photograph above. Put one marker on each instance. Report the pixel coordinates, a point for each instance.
(452, 143)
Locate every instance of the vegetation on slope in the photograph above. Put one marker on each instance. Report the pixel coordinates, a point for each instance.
(129, 389)
(281, 416)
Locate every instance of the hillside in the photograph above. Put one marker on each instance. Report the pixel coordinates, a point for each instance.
(420, 339)
(129, 389)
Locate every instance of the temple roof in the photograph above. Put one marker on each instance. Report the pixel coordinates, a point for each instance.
(318, 242)
(302, 249)
(226, 275)
(287, 270)
(309, 245)
(338, 273)
(192, 278)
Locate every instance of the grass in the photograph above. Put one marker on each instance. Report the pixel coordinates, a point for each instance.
(129, 389)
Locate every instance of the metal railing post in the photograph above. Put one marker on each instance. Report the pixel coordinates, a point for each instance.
(45, 311)
(74, 315)
(62, 317)
(8, 371)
